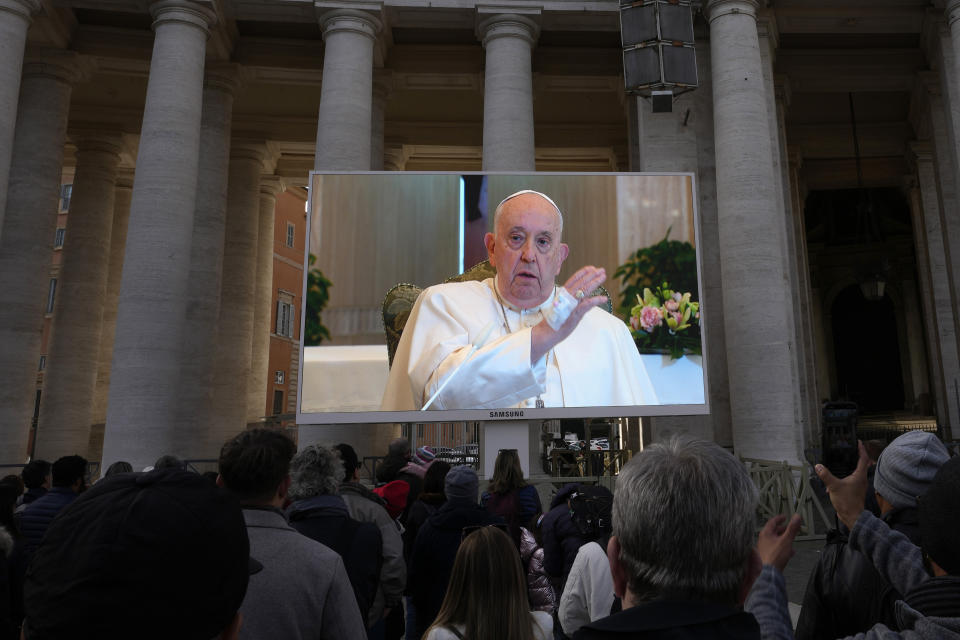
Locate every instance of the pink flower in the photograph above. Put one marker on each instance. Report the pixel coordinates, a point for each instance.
(671, 305)
(650, 318)
(635, 323)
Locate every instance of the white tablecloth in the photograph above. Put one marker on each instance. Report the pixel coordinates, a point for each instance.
(347, 378)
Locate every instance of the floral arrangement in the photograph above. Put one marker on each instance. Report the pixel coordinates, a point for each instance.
(666, 321)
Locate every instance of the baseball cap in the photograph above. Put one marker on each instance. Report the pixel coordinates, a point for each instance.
(149, 555)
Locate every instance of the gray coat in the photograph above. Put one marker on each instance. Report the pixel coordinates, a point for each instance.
(365, 506)
(303, 590)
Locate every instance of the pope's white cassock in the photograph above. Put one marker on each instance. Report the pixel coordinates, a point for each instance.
(596, 365)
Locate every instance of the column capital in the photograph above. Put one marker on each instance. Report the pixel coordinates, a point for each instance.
(506, 25)
(67, 66)
(716, 9)
(196, 13)
(97, 140)
(125, 178)
(272, 185)
(23, 9)
(248, 149)
(952, 11)
(224, 76)
(361, 22)
(767, 27)
(921, 150)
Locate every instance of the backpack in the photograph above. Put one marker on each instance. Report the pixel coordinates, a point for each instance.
(591, 509)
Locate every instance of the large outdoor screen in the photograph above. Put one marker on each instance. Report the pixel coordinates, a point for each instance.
(417, 308)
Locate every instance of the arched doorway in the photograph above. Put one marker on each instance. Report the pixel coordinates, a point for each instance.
(867, 352)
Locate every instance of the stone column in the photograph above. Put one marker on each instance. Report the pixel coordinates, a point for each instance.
(15, 16)
(935, 286)
(508, 92)
(270, 188)
(670, 142)
(108, 325)
(235, 327)
(195, 407)
(66, 407)
(151, 316)
(760, 348)
(381, 91)
(27, 239)
(343, 124)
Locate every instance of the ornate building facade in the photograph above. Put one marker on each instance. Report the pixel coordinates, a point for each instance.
(823, 136)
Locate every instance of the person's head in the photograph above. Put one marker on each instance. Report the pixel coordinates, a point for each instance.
(315, 471)
(169, 462)
(526, 247)
(434, 478)
(70, 472)
(507, 473)
(15, 482)
(399, 448)
(495, 606)
(906, 468)
(683, 525)
(36, 474)
(939, 515)
(461, 484)
(153, 555)
(425, 455)
(351, 463)
(255, 465)
(120, 466)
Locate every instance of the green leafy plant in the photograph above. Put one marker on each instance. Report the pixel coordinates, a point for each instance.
(318, 295)
(657, 277)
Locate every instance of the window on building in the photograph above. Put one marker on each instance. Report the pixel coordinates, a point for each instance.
(277, 402)
(51, 294)
(58, 237)
(285, 318)
(291, 231)
(43, 363)
(66, 190)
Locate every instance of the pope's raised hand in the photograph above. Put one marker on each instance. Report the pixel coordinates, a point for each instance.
(579, 285)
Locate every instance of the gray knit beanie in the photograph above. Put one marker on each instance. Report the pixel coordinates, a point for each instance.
(461, 483)
(907, 466)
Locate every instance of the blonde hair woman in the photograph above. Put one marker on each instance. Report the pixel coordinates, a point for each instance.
(487, 594)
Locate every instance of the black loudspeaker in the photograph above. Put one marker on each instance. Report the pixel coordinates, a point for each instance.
(658, 45)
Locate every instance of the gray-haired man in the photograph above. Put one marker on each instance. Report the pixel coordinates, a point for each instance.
(683, 553)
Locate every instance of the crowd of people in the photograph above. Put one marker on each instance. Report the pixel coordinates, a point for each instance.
(280, 543)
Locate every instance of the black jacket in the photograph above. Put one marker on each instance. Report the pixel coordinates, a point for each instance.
(845, 594)
(326, 520)
(674, 620)
(434, 552)
(561, 539)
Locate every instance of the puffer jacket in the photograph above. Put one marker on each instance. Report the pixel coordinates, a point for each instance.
(539, 590)
(38, 515)
(845, 594)
(366, 506)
